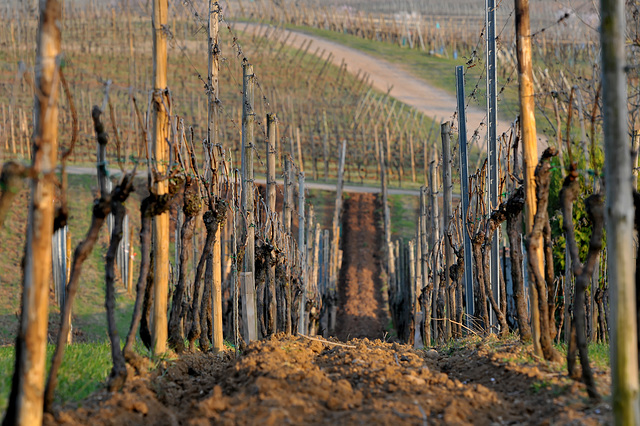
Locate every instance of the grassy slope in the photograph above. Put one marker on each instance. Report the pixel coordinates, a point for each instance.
(87, 362)
(89, 314)
(85, 367)
(438, 71)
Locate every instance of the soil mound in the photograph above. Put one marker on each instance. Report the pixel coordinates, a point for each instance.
(301, 381)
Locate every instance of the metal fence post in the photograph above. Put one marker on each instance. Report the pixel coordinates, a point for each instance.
(464, 188)
(492, 110)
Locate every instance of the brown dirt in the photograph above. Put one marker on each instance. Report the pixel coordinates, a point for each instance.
(294, 380)
(360, 305)
(298, 381)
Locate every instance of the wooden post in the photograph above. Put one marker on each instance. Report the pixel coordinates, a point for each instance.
(250, 325)
(426, 151)
(530, 146)
(160, 134)
(213, 127)
(286, 216)
(248, 291)
(69, 255)
(413, 158)
(619, 215)
(448, 214)
(426, 307)
(217, 336)
(387, 139)
(13, 141)
(302, 250)
(634, 159)
(385, 199)
(213, 132)
(313, 326)
(300, 163)
(335, 261)
(338, 208)
(326, 320)
(415, 276)
(271, 203)
(130, 261)
(26, 399)
(325, 148)
(435, 238)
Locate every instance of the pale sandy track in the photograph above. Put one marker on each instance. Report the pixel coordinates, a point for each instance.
(407, 88)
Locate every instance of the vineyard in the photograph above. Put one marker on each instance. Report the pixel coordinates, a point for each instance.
(283, 212)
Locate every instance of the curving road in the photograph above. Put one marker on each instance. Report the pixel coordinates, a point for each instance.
(407, 88)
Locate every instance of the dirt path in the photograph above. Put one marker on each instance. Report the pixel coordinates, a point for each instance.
(298, 381)
(360, 304)
(407, 88)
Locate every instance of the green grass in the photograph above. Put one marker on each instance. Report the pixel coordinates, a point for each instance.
(89, 316)
(404, 210)
(84, 370)
(599, 354)
(435, 69)
(86, 363)
(439, 71)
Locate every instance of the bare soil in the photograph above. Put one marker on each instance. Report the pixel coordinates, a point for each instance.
(360, 302)
(297, 380)
(287, 380)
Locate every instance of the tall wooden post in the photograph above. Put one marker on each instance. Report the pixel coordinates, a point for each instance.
(448, 214)
(213, 131)
(385, 200)
(300, 163)
(426, 306)
(250, 328)
(213, 126)
(271, 203)
(417, 286)
(409, 285)
(338, 210)
(530, 146)
(302, 250)
(336, 260)
(26, 400)
(286, 216)
(325, 144)
(435, 238)
(619, 215)
(314, 272)
(160, 134)
(130, 261)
